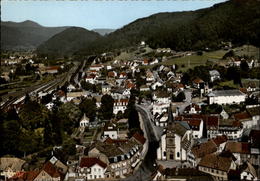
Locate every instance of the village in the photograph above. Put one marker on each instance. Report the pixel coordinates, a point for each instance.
(205, 118)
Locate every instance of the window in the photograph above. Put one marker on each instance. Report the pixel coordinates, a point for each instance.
(178, 154)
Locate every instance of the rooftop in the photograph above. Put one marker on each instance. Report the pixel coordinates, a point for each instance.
(232, 92)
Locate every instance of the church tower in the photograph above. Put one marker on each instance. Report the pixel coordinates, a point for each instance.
(170, 137)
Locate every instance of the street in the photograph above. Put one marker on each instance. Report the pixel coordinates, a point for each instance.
(148, 164)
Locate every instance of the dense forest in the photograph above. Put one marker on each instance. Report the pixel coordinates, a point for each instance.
(68, 41)
(237, 21)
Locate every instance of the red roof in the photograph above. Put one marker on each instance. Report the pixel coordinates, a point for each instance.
(193, 121)
(111, 74)
(220, 139)
(52, 68)
(198, 80)
(51, 170)
(242, 116)
(111, 141)
(140, 138)
(89, 162)
(27, 176)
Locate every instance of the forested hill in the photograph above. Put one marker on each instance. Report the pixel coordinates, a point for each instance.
(25, 35)
(67, 42)
(236, 20)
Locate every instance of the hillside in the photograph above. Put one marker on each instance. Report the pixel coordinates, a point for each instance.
(103, 31)
(236, 20)
(67, 42)
(25, 35)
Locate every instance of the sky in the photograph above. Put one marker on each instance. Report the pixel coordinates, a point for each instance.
(92, 14)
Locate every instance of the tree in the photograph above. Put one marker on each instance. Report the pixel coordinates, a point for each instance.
(180, 97)
(11, 137)
(33, 115)
(89, 107)
(106, 109)
(69, 114)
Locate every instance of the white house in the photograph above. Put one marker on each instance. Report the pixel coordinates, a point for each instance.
(120, 105)
(214, 75)
(162, 97)
(96, 67)
(248, 172)
(111, 132)
(196, 126)
(84, 121)
(91, 79)
(159, 108)
(92, 168)
(156, 85)
(226, 97)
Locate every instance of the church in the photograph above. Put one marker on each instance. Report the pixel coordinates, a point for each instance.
(175, 141)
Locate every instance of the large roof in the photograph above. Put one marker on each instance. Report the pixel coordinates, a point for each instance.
(216, 162)
(89, 162)
(232, 92)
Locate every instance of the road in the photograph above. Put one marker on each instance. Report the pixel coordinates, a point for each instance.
(147, 166)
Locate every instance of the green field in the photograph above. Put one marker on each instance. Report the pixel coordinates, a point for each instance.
(192, 61)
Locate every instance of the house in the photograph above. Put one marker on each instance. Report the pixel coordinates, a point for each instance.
(240, 150)
(10, 166)
(180, 174)
(52, 69)
(192, 109)
(220, 141)
(217, 165)
(162, 97)
(96, 67)
(24, 176)
(106, 88)
(248, 172)
(120, 105)
(161, 120)
(155, 85)
(92, 168)
(111, 131)
(254, 147)
(226, 97)
(159, 108)
(254, 112)
(91, 79)
(119, 156)
(123, 75)
(245, 119)
(84, 122)
(145, 62)
(58, 164)
(197, 83)
(196, 125)
(214, 75)
(71, 88)
(231, 128)
(49, 172)
(200, 150)
(144, 88)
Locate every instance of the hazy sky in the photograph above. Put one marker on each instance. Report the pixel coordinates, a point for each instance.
(92, 14)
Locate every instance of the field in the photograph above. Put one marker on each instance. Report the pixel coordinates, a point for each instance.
(191, 61)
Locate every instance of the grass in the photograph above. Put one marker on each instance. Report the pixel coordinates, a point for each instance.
(229, 84)
(184, 63)
(248, 50)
